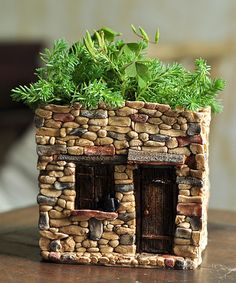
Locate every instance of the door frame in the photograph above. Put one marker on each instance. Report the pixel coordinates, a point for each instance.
(138, 202)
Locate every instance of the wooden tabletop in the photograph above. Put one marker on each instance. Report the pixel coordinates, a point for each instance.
(20, 260)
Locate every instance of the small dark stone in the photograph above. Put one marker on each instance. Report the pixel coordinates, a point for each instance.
(127, 216)
(124, 188)
(55, 246)
(51, 149)
(159, 138)
(43, 221)
(95, 229)
(46, 200)
(195, 223)
(141, 118)
(190, 181)
(116, 136)
(38, 121)
(127, 239)
(68, 257)
(193, 129)
(100, 113)
(62, 186)
(78, 132)
(183, 233)
(180, 263)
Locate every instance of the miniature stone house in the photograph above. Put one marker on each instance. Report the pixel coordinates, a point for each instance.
(126, 186)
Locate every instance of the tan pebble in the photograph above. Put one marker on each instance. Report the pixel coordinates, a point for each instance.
(56, 214)
(176, 127)
(186, 251)
(69, 179)
(44, 208)
(181, 241)
(47, 179)
(70, 205)
(75, 112)
(68, 245)
(50, 192)
(83, 142)
(125, 249)
(143, 137)
(119, 196)
(154, 143)
(124, 182)
(132, 135)
(155, 121)
(63, 132)
(179, 219)
(44, 244)
(120, 176)
(42, 139)
(117, 129)
(58, 208)
(172, 143)
(180, 150)
(84, 224)
(94, 128)
(52, 140)
(53, 124)
(98, 122)
(43, 113)
(161, 149)
(149, 112)
(105, 249)
(184, 192)
(146, 128)
(102, 133)
(72, 125)
(103, 242)
(103, 141)
(111, 113)
(173, 133)
(121, 144)
(74, 230)
(165, 127)
(61, 203)
(69, 192)
(119, 121)
(56, 174)
(135, 143)
(135, 104)
(57, 223)
(90, 136)
(81, 120)
(120, 168)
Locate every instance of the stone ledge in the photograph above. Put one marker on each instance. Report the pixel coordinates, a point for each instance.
(137, 156)
(99, 215)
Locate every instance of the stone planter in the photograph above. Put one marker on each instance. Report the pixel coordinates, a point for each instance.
(76, 146)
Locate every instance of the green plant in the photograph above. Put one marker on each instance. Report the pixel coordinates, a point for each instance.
(100, 68)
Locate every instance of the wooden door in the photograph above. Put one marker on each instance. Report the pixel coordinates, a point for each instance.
(157, 205)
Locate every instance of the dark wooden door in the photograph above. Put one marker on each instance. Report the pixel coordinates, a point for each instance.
(157, 205)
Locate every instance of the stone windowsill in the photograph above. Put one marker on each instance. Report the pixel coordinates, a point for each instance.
(98, 214)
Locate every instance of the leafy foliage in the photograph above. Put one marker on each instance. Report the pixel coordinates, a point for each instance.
(100, 68)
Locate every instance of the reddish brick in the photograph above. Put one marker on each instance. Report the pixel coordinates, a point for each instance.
(141, 118)
(64, 117)
(183, 141)
(99, 150)
(189, 209)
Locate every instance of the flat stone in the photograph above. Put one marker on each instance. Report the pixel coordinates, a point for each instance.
(84, 142)
(110, 236)
(183, 233)
(193, 129)
(141, 118)
(55, 246)
(74, 230)
(95, 229)
(135, 104)
(126, 111)
(190, 181)
(151, 156)
(117, 129)
(125, 249)
(180, 150)
(47, 179)
(195, 223)
(51, 149)
(121, 144)
(183, 141)
(172, 143)
(99, 215)
(189, 209)
(43, 113)
(146, 128)
(119, 121)
(46, 200)
(67, 179)
(180, 264)
(154, 143)
(159, 138)
(50, 192)
(172, 133)
(135, 142)
(62, 186)
(103, 141)
(38, 121)
(168, 120)
(126, 216)
(75, 150)
(56, 214)
(91, 135)
(100, 150)
(63, 117)
(78, 132)
(186, 251)
(124, 188)
(70, 125)
(155, 149)
(116, 136)
(51, 235)
(163, 107)
(43, 223)
(194, 199)
(97, 113)
(98, 122)
(44, 131)
(127, 239)
(58, 108)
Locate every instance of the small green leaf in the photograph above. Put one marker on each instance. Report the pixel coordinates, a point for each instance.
(157, 36)
(109, 34)
(131, 71)
(134, 30)
(142, 71)
(99, 39)
(141, 83)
